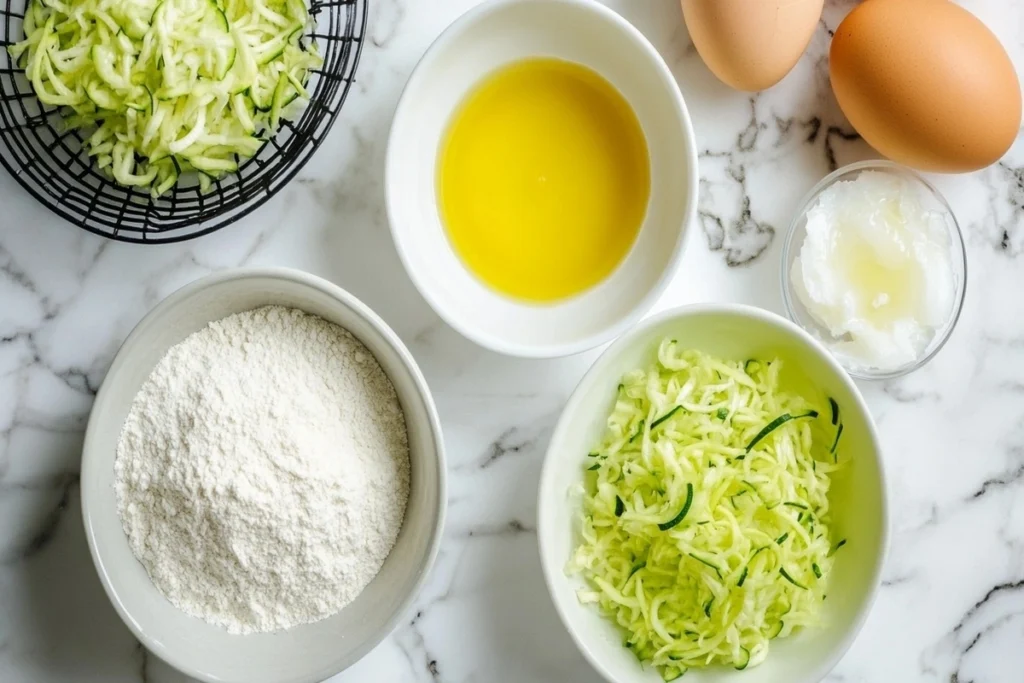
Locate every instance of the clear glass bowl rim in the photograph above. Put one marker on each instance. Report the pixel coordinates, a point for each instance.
(957, 246)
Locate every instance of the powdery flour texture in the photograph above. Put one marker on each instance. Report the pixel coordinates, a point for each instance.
(262, 473)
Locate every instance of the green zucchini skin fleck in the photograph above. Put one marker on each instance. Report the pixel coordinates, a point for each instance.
(665, 526)
(665, 417)
(776, 423)
(835, 410)
(787, 577)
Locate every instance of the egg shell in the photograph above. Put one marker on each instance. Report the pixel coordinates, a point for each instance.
(926, 83)
(751, 44)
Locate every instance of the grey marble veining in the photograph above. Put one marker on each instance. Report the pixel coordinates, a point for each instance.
(951, 609)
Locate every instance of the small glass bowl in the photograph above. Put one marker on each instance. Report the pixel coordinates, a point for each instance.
(930, 199)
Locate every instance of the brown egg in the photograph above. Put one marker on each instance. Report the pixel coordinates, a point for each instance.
(926, 84)
(751, 44)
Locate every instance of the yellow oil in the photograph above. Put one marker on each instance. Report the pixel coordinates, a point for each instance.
(543, 179)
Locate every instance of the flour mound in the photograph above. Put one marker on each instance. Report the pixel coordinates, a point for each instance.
(263, 471)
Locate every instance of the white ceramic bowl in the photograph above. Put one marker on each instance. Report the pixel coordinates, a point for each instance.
(482, 40)
(858, 495)
(311, 652)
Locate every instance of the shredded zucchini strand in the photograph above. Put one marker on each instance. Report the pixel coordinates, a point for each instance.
(704, 530)
(170, 86)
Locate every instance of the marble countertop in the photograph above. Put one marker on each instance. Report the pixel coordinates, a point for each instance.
(951, 608)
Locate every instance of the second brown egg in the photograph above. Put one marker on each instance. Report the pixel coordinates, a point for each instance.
(751, 44)
(926, 83)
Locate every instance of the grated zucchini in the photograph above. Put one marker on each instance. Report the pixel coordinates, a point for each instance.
(692, 536)
(169, 86)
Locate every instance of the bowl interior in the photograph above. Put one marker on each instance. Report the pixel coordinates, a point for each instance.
(310, 652)
(857, 496)
(931, 200)
(481, 41)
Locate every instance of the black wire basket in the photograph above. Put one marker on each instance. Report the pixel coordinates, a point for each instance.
(49, 161)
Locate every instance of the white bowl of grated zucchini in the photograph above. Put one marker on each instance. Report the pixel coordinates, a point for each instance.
(713, 503)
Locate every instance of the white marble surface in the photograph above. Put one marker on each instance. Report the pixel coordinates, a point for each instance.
(952, 605)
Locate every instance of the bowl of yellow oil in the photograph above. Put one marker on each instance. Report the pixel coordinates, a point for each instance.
(541, 175)
(543, 179)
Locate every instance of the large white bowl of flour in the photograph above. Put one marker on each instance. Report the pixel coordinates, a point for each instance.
(218, 651)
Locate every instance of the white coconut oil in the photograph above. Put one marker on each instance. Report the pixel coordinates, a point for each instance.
(875, 271)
